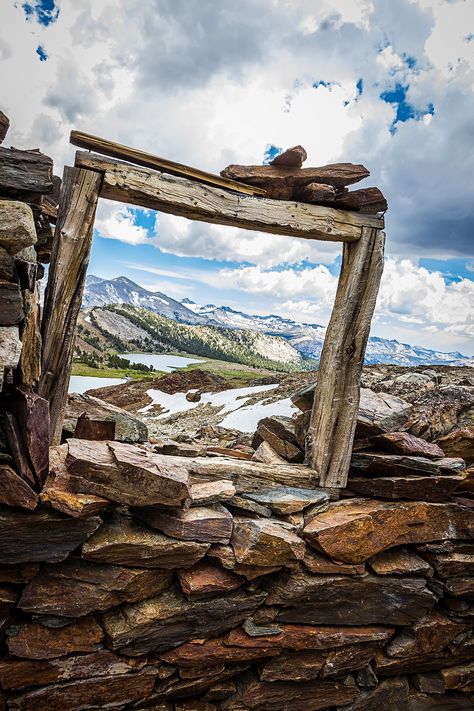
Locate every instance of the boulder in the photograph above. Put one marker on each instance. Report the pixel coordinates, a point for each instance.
(127, 427)
(438, 412)
(352, 531)
(124, 541)
(286, 499)
(406, 444)
(403, 465)
(125, 473)
(14, 491)
(399, 561)
(76, 588)
(17, 226)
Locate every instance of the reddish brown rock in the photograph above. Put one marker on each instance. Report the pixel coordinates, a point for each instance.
(14, 491)
(315, 599)
(452, 655)
(354, 531)
(229, 452)
(32, 414)
(56, 493)
(288, 451)
(405, 443)
(207, 578)
(346, 659)
(35, 641)
(215, 651)
(291, 158)
(400, 561)
(293, 666)
(18, 449)
(274, 177)
(125, 473)
(459, 443)
(460, 677)
(76, 588)
(170, 619)
(41, 535)
(265, 543)
(124, 541)
(390, 695)
(432, 633)
(211, 492)
(448, 565)
(321, 565)
(18, 574)
(279, 695)
(461, 587)
(403, 465)
(435, 489)
(288, 499)
(86, 693)
(15, 673)
(199, 523)
(300, 637)
(418, 701)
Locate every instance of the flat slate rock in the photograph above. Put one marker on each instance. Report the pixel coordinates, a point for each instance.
(14, 491)
(32, 640)
(86, 693)
(354, 530)
(29, 536)
(169, 619)
(431, 633)
(301, 637)
(15, 673)
(283, 447)
(126, 474)
(405, 443)
(320, 564)
(211, 492)
(316, 599)
(430, 488)
(451, 564)
(199, 523)
(214, 651)
(286, 499)
(277, 695)
(400, 561)
(265, 542)
(125, 541)
(403, 465)
(208, 578)
(77, 588)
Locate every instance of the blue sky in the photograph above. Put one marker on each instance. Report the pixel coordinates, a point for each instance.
(386, 84)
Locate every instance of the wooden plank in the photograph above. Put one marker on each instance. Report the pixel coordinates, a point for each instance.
(148, 160)
(139, 186)
(78, 201)
(336, 402)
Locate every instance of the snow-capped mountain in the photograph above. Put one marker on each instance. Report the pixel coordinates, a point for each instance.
(306, 338)
(100, 292)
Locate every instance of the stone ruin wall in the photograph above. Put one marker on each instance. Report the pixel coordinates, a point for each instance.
(133, 580)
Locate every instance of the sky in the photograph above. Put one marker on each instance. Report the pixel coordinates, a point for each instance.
(386, 83)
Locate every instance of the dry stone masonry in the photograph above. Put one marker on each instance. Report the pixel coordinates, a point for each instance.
(135, 579)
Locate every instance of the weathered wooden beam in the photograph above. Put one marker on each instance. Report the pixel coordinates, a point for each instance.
(146, 188)
(148, 160)
(78, 201)
(336, 402)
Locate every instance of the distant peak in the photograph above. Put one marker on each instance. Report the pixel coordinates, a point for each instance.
(187, 301)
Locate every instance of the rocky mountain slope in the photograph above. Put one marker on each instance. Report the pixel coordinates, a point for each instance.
(127, 328)
(306, 338)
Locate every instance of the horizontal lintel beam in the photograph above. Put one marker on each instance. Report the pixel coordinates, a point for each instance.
(194, 200)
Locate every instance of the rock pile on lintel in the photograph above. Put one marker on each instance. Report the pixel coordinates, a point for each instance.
(284, 178)
(148, 581)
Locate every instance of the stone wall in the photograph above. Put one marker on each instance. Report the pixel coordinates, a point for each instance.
(147, 581)
(134, 580)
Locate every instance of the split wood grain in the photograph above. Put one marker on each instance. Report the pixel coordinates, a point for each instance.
(156, 191)
(336, 402)
(78, 201)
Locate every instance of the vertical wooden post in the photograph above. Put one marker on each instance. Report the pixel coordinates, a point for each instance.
(336, 402)
(67, 273)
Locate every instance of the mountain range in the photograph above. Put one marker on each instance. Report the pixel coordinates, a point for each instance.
(306, 338)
